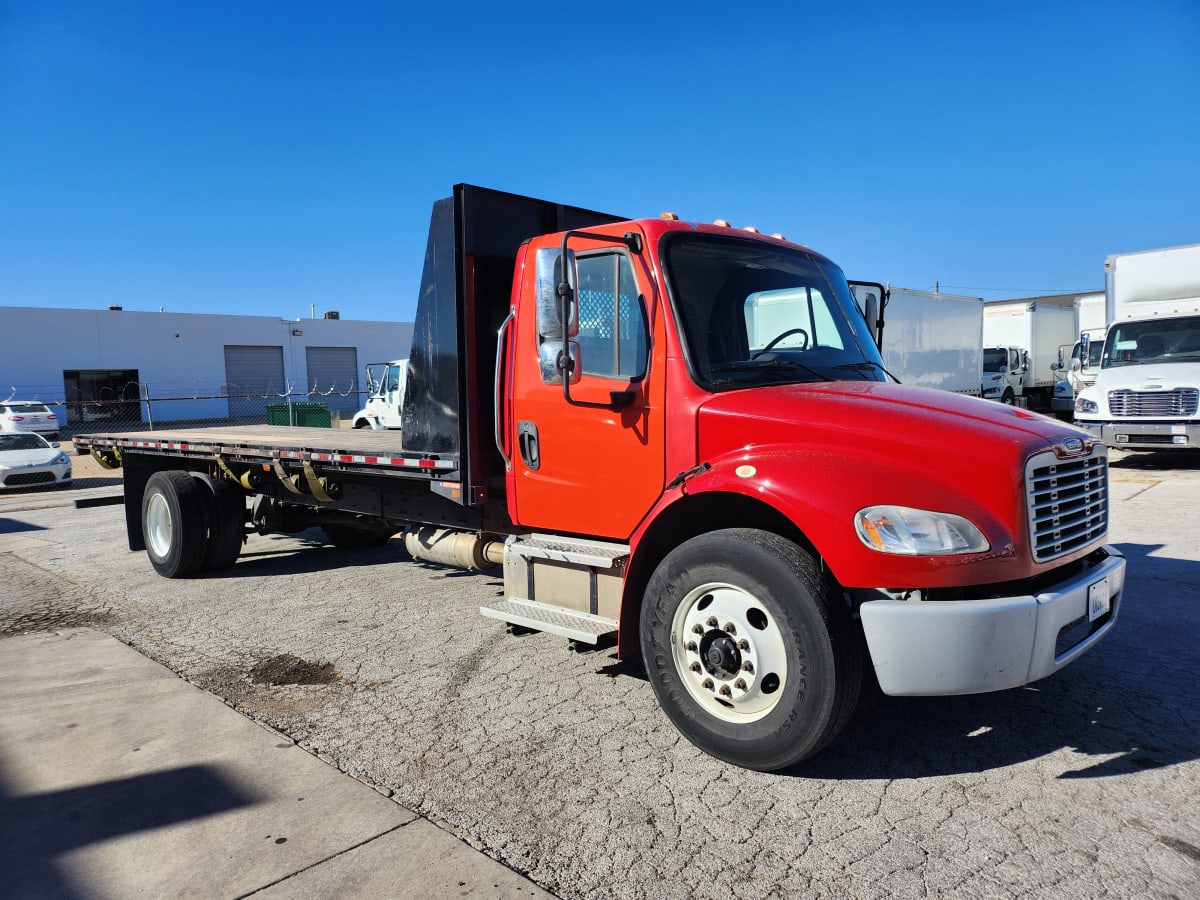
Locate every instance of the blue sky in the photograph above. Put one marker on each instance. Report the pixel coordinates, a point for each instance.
(269, 158)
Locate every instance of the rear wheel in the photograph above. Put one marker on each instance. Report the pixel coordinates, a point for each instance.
(174, 523)
(226, 508)
(750, 648)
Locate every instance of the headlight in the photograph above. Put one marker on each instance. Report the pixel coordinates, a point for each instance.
(917, 532)
(60, 460)
(1084, 405)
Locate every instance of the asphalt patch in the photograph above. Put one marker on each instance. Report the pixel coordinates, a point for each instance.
(288, 669)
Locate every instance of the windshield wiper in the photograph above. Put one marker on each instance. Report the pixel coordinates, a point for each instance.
(867, 365)
(769, 365)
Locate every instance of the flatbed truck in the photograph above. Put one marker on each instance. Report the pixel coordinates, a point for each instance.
(679, 436)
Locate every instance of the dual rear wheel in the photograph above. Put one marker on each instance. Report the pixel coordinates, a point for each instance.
(191, 522)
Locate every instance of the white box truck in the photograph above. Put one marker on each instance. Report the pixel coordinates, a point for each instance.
(931, 339)
(1021, 341)
(1079, 370)
(1148, 389)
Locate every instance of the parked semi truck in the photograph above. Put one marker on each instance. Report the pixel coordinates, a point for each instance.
(679, 436)
(1148, 388)
(1021, 349)
(932, 339)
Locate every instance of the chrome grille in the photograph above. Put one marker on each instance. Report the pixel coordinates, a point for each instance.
(1179, 402)
(1067, 501)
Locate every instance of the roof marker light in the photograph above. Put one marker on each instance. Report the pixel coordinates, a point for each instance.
(778, 236)
(722, 222)
(751, 229)
(668, 217)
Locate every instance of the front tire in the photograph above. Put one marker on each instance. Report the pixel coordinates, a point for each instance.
(750, 648)
(174, 523)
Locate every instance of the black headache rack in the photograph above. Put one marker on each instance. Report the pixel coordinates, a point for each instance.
(466, 286)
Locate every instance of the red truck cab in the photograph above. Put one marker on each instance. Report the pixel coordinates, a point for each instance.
(727, 418)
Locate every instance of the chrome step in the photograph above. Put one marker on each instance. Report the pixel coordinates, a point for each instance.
(580, 553)
(568, 623)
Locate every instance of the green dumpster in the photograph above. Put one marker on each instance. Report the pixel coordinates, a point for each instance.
(306, 415)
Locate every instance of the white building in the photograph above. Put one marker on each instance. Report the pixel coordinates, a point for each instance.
(154, 367)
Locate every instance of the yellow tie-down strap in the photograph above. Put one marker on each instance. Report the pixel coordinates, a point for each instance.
(104, 459)
(310, 476)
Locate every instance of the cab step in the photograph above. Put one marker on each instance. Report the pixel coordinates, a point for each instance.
(593, 554)
(569, 623)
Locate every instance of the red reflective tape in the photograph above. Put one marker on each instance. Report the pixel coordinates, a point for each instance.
(370, 460)
(427, 463)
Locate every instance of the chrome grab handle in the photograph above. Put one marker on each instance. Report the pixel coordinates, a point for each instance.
(498, 400)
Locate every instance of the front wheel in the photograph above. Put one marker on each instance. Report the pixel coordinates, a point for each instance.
(750, 648)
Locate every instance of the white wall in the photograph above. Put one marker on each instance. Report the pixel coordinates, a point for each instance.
(176, 354)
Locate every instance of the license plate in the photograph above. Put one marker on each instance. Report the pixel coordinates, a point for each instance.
(1099, 599)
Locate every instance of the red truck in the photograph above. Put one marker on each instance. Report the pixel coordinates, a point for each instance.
(681, 436)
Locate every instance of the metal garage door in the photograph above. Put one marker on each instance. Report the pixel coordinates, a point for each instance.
(333, 378)
(253, 378)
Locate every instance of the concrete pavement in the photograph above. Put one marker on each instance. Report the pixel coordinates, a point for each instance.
(120, 779)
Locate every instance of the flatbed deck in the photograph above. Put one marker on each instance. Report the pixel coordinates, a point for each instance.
(336, 448)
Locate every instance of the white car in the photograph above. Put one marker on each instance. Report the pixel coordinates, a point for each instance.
(28, 460)
(28, 415)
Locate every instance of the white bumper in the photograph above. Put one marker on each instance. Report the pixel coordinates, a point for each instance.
(923, 648)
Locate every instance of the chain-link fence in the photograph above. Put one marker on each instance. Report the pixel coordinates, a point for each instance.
(141, 406)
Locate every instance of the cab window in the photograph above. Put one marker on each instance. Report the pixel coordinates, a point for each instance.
(612, 330)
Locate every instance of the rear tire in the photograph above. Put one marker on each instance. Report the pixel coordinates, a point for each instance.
(750, 648)
(174, 523)
(227, 525)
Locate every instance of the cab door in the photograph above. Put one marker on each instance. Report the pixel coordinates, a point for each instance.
(592, 464)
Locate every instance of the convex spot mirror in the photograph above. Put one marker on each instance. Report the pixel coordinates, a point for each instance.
(550, 358)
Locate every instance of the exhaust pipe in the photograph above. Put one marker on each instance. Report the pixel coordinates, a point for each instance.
(448, 547)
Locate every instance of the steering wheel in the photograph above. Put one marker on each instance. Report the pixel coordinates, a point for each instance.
(779, 337)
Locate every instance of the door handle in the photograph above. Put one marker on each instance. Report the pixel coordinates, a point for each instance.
(527, 443)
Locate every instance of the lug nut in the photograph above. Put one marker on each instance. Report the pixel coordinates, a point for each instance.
(712, 622)
(740, 684)
(696, 668)
(708, 684)
(691, 645)
(743, 644)
(725, 691)
(747, 666)
(729, 629)
(697, 629)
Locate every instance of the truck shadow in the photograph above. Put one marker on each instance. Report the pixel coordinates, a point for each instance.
(304, 553)
(1184, 460)
(1126, 706)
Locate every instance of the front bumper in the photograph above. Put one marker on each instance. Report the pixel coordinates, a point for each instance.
(35, 476)
(925, 648)
(1134, 435)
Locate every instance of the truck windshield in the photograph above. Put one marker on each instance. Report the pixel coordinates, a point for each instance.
(994, 359)
(755, 314)
(1152, 341)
